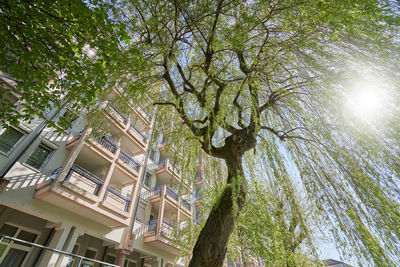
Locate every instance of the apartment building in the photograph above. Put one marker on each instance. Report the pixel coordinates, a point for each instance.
(106, 195)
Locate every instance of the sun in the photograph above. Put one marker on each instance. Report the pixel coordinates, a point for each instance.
(365, 99)
(366, 102)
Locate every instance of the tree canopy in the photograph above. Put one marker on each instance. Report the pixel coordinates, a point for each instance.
(278, 77)
(53, 50)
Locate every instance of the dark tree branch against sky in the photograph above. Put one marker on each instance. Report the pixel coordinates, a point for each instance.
(277, 77)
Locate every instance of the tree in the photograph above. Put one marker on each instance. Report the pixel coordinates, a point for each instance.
(271, 76)
(53, 50)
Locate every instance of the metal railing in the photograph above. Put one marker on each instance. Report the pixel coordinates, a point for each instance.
(167, 222)
(144, 112)
(87, 175)
(170, 165)
(157, 190)
(119, 195)
(140, 231)
(198, 178)
(55, 173)
(185, 204)
(152, 225)
(198, 220)
(79, 258)
(129, 160)
(136, 130)
(171, 192)
(147, 194)
(173, 167)
(117, 112)
(106, 142)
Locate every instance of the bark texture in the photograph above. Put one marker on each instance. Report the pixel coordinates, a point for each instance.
(211, 246)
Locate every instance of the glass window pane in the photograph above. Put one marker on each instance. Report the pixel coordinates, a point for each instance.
(26, 236)
(110, 259)
(147, 179)
(68, 118)
(9, 230)
(90, 253)
(38, 157)
(2, 249)
(9, 138)
(129, 263)
(14, 257)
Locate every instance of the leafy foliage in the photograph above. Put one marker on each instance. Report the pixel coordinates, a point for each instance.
(53, 50)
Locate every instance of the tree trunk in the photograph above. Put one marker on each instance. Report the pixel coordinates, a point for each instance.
(211, 246)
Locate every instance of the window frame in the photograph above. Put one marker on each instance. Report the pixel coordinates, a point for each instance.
(24, 134)
(130, 261)
(152, 154)
(112, 255)
(45, 161)
(12, 243)
(73, 122)
(85, 262)
(149, 177)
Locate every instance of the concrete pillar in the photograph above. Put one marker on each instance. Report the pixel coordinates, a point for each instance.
(49, 258)
(107, 178)
(71, 158)
(155, 262)
(161, 210)
(67, 246)
(121, 256)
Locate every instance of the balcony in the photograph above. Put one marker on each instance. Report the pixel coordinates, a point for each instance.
(137, 132)
(120, 118)
(186, 205)
(106, 142)
(116, 202)
(128, 163)
(140, 139)
(86, 195)
(166, 170)
(161, 235)
(199, 179)
(170, 194)
(144, 115)
(102, 146)
(83, 182)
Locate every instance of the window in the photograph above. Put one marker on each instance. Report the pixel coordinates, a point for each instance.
(39, 157)
(110, 258)
(152, 154)
(14, 253)
(68, 119)
(147, 179)
(90, 253)
(130, 263)
(9, 138)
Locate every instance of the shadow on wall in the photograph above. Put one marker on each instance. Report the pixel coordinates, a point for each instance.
(26, 182)
(57, 137)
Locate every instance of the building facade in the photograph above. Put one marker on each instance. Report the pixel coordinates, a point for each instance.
(106, 193)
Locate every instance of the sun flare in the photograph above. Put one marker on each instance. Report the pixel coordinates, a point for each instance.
(366, 102)
(365, 99)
